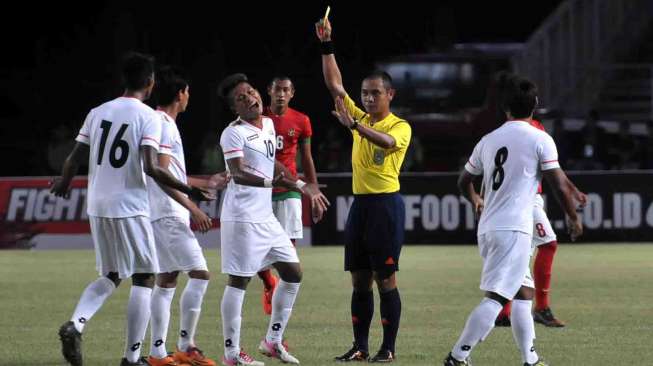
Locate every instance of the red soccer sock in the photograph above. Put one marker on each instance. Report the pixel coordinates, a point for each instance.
(267, 277)
(505, 312)
(542, 273)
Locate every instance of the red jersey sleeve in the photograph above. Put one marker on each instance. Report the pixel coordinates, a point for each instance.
(307, 130)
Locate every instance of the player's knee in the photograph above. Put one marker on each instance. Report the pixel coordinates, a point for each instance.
(292, 275)
(385, 281)
(362, 280)
(143, 279)
(238, 282)
(496, 297)
(525, 293)
(113, 277)
(167, 280)
(200, 275)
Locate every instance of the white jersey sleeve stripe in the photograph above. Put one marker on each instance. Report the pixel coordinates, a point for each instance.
(83, 139)
(149, 141)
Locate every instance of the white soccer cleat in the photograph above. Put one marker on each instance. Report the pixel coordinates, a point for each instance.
(277, 350)
(243, 359)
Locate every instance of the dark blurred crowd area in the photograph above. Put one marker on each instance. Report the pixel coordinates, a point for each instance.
(58, 73)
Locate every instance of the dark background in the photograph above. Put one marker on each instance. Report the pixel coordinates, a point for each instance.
(59, 59)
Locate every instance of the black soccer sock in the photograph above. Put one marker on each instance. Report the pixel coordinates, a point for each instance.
(390, 315)
(362, 310)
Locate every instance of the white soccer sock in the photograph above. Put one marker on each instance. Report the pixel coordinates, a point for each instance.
(138, 315)
(478, 326)
(161, 301)
(91, 300)
(231, 309)
(190, 307)
(523, 329)
(282, 303)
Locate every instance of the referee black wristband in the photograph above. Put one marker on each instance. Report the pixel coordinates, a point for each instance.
(353, 125)
(326, 48)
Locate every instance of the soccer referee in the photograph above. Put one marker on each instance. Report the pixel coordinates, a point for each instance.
(375, 226)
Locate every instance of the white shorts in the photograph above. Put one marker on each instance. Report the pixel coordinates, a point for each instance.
(542, 230)
(506, 257)
(176, 246)
(289, 214)
(123, 245)
(247, 247)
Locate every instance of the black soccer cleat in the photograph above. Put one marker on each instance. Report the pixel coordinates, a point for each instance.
(354, 354)
(141, 362)
(450, 361)
(546, 317)
(383, 356)
(71, 343)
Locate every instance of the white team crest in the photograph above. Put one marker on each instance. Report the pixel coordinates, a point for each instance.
(291, 132)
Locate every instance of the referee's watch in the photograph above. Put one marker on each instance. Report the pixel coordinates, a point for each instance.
(353, 125)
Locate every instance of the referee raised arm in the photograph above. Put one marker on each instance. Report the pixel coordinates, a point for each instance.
(374, 232)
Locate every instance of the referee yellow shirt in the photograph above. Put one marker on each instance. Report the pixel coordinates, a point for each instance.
(375, 169)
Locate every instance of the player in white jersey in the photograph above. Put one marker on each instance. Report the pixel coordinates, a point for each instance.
(251, 236)
(176, 246)
(512, 160)
(119, 139)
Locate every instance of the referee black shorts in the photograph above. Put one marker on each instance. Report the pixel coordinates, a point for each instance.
(374, 233)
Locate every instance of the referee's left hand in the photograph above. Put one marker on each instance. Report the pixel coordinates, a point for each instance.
(342, 114)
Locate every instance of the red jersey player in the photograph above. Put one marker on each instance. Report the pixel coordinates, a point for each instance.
(293, 130)
(544, 238)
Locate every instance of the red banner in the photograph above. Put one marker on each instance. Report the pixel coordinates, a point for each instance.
(27, 209)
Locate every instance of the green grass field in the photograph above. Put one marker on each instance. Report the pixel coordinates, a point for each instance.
(604, 292)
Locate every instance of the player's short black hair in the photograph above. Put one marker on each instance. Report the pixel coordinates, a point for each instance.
(169, 82)
(137, 69)
(281, 78)
(228, 84)
(380, 74)
(517, 94)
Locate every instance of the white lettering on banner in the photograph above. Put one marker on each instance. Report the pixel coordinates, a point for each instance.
(430, 212)
(593, 212)
(452, 212)
(632, 210)
(16, 202)
(37, 204)
(649, 215)
(616, 211)
(44, 205)
(343, 203)
(412, 212)
(70, 205)
(29, 206)
(470, 221)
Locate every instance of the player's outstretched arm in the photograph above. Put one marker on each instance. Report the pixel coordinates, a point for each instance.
(216, 181)
(163, 177)
(466, 188)
(564, 194)
(60, 186)
(307, 163)
(330, 70)
(202, 220)
(240, 176)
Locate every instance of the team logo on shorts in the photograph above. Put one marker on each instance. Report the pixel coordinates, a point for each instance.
(379, 156)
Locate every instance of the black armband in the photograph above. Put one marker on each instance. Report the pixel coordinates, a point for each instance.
(326, 48)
